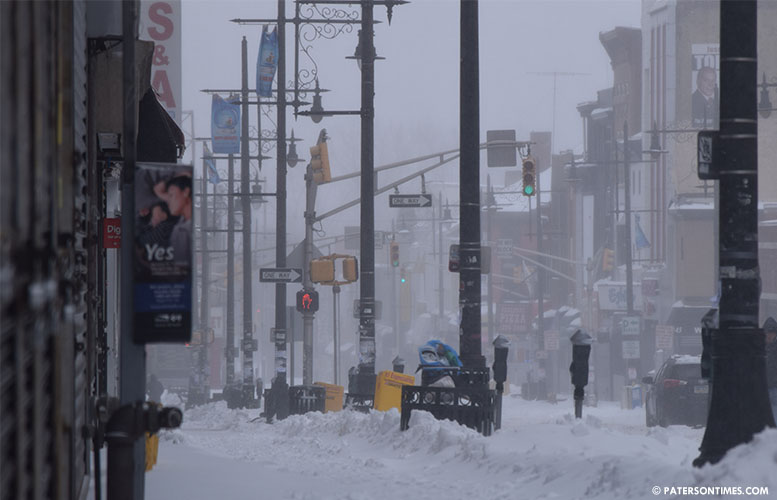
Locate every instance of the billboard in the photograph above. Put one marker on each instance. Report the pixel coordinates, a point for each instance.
(160, 22)
(225, 125)
(163, 252)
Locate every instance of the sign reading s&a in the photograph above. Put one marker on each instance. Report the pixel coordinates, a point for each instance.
(163, 252)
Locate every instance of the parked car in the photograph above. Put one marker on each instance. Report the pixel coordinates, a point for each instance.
(677, 394)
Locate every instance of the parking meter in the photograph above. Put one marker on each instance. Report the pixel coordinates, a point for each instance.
(501, 347)
(581, 351)
(707, 329)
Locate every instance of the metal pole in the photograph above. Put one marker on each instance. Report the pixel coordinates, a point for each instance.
(229, 350)
(541, 285)
(739, 404)
(490, 289)
(279, 386)
(441, 289)
(366, 384)
(307, 285)
(469, 190)
(204, 295)
(335, 336)
(126, 461)
(627, 201)
(248, 388)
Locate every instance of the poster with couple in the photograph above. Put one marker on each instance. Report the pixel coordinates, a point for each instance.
(163, 252)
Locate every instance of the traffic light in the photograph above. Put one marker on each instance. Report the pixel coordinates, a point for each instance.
(529, 176)
(394, 254)
(402, 276)
(319, 162)
(322, 270)
(608, 259)
(307, 301)
(350, 269)
(518, 274)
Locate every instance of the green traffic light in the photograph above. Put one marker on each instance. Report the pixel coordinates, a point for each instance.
(528, 190)
(402, 280)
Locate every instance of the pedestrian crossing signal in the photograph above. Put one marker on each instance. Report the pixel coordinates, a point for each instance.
(307, 301)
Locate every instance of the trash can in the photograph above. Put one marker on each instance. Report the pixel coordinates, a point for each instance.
(306, 398)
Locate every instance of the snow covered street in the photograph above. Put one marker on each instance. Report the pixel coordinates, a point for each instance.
(541, 452)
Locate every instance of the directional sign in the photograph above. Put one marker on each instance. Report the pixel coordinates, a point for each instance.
(288, 275)
(410, 200)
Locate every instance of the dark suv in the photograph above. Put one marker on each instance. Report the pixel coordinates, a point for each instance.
(677, 394)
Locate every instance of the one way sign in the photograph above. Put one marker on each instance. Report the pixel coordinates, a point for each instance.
(288, 275)
(410, 200)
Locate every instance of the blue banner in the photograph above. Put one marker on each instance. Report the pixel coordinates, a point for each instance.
(266, 62)
(213, 173)
(225, 126)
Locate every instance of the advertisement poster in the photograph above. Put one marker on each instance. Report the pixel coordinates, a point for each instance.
(225, 126)
(266, 62)
(163, 252)
(160, 22)
(705, 80)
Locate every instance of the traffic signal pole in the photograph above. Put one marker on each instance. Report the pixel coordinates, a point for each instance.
(307, 283)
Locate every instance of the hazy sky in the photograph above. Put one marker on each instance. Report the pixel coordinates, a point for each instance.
(417, 85)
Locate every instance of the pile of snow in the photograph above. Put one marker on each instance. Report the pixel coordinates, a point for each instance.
(541, 452)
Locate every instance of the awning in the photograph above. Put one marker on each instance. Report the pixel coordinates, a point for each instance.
(159, 138)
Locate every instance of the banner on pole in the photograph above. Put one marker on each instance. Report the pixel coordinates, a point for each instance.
(225, 126)
(163, 252)
(266, 61)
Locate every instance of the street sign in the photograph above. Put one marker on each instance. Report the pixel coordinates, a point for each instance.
(630, 349)
(287, 275)
(551, 340)
(500, 148)
(378, 312)
(410, 200)
(630, 325)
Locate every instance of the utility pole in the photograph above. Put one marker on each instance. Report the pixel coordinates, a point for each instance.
(469, 190)
(248, 345)
(739, 403)
(440, 280)
(335, 331)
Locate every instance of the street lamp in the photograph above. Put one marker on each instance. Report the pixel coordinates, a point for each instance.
(292, 158)
(357, 53)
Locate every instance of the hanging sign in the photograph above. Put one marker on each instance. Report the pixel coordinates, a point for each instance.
(266, 61)
(225, 126)
(163, 253)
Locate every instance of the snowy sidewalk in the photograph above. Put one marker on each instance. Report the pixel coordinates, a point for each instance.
(541, 452)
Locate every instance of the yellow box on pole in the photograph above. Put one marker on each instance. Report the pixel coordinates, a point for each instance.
(388, 389)
(152, 450)
(334, 396)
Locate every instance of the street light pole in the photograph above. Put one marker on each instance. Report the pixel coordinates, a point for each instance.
(247, 390)
(366, 369)
(469, 190)
(739, 403)
(279, 384)
(230, 347)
